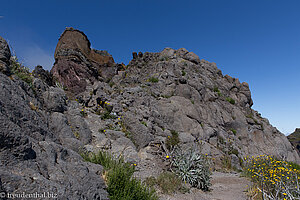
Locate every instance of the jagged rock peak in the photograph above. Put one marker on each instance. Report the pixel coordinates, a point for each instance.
(72, 39)
(77, 65)
(4, 56)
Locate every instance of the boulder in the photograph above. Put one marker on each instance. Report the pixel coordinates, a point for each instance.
(55, 100)
(43, 75)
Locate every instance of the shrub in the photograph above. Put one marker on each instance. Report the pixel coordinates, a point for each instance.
(118, 175)
(226, 162)
(183, 73)
(76, 134)
(153, 79)
(275, 179)
(20, 71)
(144, 123)
(216, 89)
(60, 85)
(192, 167)
(233, 131)
(173, 140)
(234, 151)
(169, 182)
(107, 115)
(83, 113)
(230, 100)
(150, 181)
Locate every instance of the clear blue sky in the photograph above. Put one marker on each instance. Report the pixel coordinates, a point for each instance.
(257, 41)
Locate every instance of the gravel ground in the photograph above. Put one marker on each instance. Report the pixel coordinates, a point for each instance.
(225, 186)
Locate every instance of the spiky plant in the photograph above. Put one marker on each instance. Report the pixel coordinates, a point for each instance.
(192, 167)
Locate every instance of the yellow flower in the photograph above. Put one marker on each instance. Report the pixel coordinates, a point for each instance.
(284, 193)
(104, 131)
(167, 156)
(134, 164)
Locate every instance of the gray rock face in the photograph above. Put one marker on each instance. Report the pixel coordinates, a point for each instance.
(294, 138)
(43, 75)
(178, 91)
(35, 152)
(4, 56)
(55, 100)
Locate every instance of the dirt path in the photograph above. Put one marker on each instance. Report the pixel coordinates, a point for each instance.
(228, 186)
(225, 186)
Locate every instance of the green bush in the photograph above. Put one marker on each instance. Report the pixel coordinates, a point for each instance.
(230, 100)
(216, 89)
(173, 140)
(83, 113)
(120, 183)
(144, 123)
(192, 167)
(153, 79)
(226, 162)
(20, 71)
(168, 182)
(233, 131)
(107, 115)
(183, 73)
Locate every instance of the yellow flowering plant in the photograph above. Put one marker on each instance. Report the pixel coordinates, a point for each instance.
(276, 179)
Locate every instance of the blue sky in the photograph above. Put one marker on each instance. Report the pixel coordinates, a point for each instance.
(257, 41)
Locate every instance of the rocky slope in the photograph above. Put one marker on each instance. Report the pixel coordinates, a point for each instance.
(38, 150)
(294, 138)
(89, 102)
(77, 65)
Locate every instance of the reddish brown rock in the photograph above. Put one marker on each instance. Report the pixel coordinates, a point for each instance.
(77, 65)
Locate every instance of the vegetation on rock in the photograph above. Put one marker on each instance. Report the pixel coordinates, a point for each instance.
(118, 176)
(173, 140)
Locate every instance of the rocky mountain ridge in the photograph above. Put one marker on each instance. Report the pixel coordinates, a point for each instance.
(294, 138)
(90, 102)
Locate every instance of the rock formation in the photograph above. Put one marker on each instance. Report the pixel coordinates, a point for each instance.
(4, 56)
(38, 149)
(77, 65)
(294, 138)
(129, 111)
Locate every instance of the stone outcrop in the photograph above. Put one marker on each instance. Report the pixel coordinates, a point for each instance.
(294, 138)
(77, 65)
(175, 90)
(38, 148)
(4, 56)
